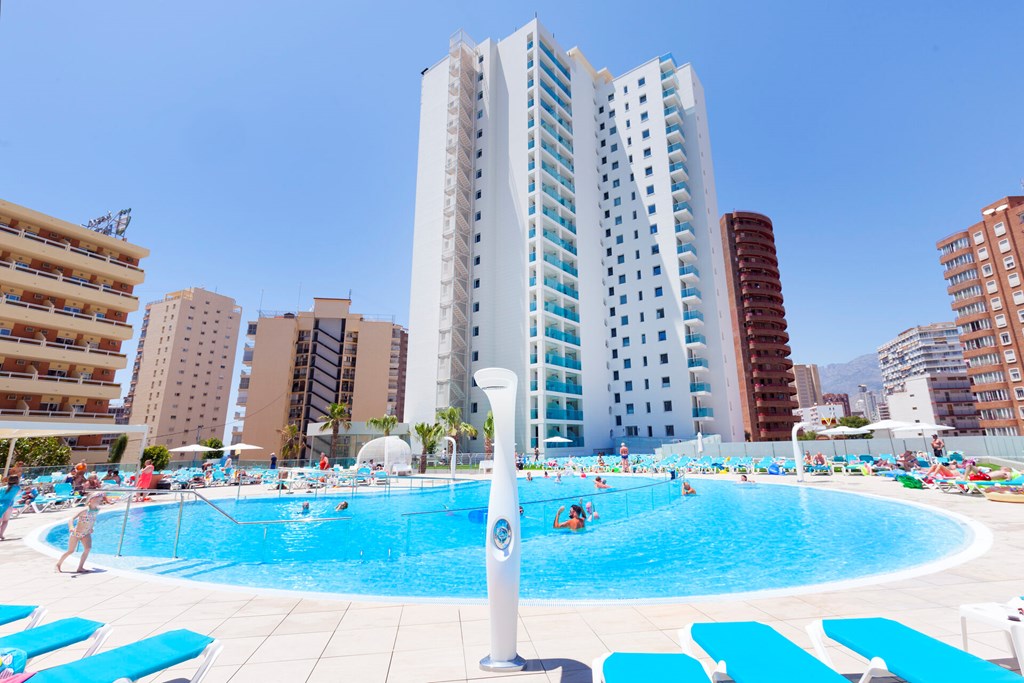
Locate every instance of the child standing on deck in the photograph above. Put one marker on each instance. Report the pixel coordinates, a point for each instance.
(81, 527)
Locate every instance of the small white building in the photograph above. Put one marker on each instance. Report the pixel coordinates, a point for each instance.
(816, 413)
(937, 399)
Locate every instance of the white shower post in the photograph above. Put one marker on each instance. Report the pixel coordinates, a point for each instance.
(503, 540)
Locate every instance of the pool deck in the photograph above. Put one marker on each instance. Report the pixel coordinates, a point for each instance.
(295, 639)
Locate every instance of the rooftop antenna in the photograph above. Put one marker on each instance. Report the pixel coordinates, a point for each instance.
(298, 299)
(261, 303)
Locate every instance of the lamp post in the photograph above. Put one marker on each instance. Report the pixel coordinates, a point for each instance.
(502, 540)
(797, 455)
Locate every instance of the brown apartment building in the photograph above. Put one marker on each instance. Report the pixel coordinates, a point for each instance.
(65, 297)
(983, 274)
(296, 364)
(762, 345)
(181, 379)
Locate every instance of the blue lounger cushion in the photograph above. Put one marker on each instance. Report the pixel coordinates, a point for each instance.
(9, 613)
(912, 655)
(756, 652)
(134, 661)
(53, 636)
(652, 668)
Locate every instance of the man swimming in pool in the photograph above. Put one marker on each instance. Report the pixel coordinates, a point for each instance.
(600, 483)
(343, 505)
(575, 522)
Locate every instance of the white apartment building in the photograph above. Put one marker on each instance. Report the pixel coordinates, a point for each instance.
(566, 228)
(937, 399)
(926, 349)
(815, 414)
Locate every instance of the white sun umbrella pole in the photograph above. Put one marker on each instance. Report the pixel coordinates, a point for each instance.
(502, 543)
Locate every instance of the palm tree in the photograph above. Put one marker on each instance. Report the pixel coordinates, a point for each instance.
(337, 418)
(383, 424)
(291, 441)
(489, 434)
(428, 434)
(452, 425)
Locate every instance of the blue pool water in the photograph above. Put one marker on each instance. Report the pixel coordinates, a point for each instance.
(650, 542)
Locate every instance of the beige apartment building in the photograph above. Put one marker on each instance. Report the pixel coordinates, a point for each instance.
(296, 364)
(182, 375)
(808, 386)
(982, 268)
(66, 296)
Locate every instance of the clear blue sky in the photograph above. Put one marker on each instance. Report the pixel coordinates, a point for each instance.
(267, 148)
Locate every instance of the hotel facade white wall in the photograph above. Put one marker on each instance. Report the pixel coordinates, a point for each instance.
(424, 314)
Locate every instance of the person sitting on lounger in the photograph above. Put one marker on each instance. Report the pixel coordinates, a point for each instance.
(574, 523)
(28, 495)
(940, 470)
(600, 483)
(819, 459)
(907, 461)
(1001, 474)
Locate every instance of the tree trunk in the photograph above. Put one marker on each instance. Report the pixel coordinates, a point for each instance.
(423, 462)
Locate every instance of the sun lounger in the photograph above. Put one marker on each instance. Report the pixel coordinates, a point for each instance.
(137, 660)
(57, 634)
(750, 652)
(893, 648)
(11, 613)
(650, 667)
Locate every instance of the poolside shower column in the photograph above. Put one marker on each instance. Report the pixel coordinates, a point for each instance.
(798, 457)
(502, 540)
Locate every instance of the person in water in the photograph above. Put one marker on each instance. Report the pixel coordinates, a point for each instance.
(688, 490)
(343, 505)
(600, 483)
(80, 529)
(305, 508)
(591, 512)
(576, 520)
(529, 476)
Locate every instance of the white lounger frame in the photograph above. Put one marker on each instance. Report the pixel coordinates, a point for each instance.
(209, 655)
(37, 615)
(816, 630)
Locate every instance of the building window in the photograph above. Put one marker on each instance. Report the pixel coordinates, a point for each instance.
(1004, 246)
(658, 291)
(1000, 320)
(1004, 338)
(647, 153)
(656, 270)
(982, 254)
(999, 229)
(629, 409)
(1014, 374)
(476, 283)
(650, 189)
(476, 331)
(663, 359)
(641, 81)
(986, 270)
(476, 355)
(997, 303)
(662, 335)
(627, 363)
(1009, 263)
(648, 172)
(979, 237)
(668, 406)
(666, 382)
(1010, 355)
(625, 341)
(991, 287)
(628, 386)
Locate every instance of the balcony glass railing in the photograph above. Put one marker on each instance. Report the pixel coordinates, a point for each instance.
(572, 443)
(697, 363)
(565, 142)
(684, 227)
(680, 187)
(692, 315)
(671, 110)
(553, 172)
(696, 339)
(668, 92)
(558, 81)
(566, 313)
(678, 166)
(688, 292)
(565, 222)
(561, 103)
(559, 287)
(559, 263)
(563, 414)
(554, 152)
(553, 193)
(562, 361)
(676, 147)
(703, 412)
(675, 128)
(680, 206)
(551, 110)
(561, 336)
(688, 270)
(533, 331)
(684, 249)
(696, 387)
(558, 64)
(563, 387)
(564, 244)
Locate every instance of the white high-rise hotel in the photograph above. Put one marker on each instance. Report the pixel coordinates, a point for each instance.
(566, 228)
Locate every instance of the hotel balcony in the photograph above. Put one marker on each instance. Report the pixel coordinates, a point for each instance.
(677, 171)
(564, 414)
(693, 318)
(686, 253)
(700, 388)
(696, 341)
(703, 414)
(682, 211)
(690, 295)
(52, 251)
(689, 274)
(685, 233)
(48, 316)
(65, 287)
(55, 415)
(697, 364)
(52, 352)
(31, 383)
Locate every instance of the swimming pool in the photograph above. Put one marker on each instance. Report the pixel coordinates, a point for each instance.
(649, 542)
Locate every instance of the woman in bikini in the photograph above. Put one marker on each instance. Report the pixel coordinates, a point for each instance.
(80, 529)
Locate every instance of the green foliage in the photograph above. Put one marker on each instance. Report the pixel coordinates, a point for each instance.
(214, 443)
(854, 421)
(428, 434)
(337, 418)
(383, 424)
(489, 433)
(807, 436)
(450, 420)
(291, 442)
(117, 448)
(47, 451)
(160, 456)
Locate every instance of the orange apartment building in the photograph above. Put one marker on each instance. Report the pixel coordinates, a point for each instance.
(983, 274)
(296, 364)
(754, 292)
(65, 298)
(182, 376)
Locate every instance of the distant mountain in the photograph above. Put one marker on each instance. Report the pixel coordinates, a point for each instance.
(843, 378)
